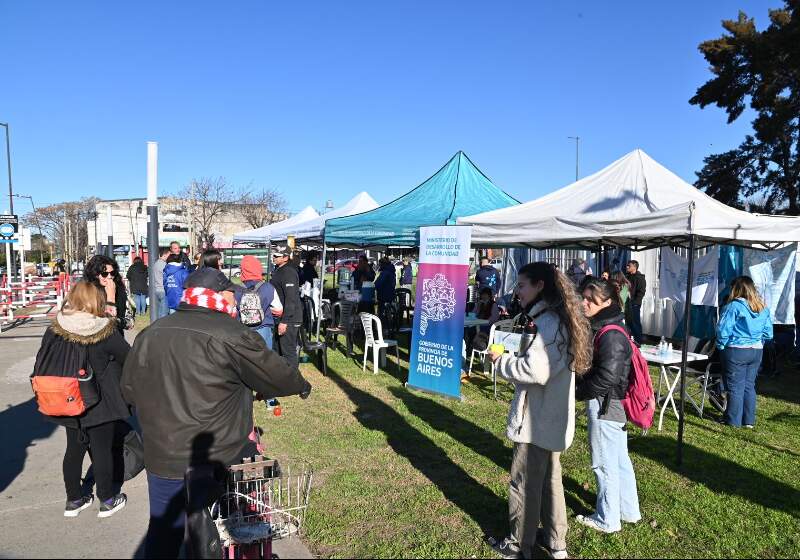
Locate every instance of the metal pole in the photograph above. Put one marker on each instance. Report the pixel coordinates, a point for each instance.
(152, 225)
(10, 264)
(577, 153)
(269, 259)
(684, 351)
(321, 284)
(110, 232)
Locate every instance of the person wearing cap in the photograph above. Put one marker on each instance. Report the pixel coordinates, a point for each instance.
(191, 377)
(252, 277)
(286, 282)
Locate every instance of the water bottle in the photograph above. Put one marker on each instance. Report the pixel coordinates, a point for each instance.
(662, 346)
(669, 349)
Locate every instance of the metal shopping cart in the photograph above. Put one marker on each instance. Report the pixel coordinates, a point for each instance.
(263, 501)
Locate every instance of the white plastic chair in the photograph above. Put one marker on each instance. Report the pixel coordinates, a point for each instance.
(373, 338)
(482, 353)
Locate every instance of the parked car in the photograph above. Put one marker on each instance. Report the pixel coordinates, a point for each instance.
(342, 263)
(497, 263)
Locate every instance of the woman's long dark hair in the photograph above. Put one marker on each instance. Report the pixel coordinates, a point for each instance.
(96, 265)
(604, 290)
(559, 293)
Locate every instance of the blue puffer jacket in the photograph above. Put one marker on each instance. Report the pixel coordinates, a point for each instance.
(175, 275)
(386, 283)
(741, 326)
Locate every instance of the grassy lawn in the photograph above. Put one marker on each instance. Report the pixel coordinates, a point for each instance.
(404, 474)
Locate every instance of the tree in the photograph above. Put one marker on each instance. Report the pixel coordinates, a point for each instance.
(208, 200)
(64, 224)
(762, 69)
(262, 207)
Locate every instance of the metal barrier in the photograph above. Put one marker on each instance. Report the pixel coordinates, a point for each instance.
(27, 300)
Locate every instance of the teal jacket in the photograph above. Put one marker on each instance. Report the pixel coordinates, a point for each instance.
(741, 326)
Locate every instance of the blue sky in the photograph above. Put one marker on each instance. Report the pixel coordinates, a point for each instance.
(326, 99)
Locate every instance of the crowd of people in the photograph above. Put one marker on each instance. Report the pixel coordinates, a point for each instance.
(578, 336)
(189, 379)
(191, 376)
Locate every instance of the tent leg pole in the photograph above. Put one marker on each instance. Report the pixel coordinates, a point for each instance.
(321, 286)
(269, 259)
(684, 352)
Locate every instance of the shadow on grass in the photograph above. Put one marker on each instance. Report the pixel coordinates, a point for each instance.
(478, 439)
(785, 387)
(481, 504)
(742, 435)
(720, 475)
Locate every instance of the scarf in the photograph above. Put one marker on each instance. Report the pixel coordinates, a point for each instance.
(203, 297)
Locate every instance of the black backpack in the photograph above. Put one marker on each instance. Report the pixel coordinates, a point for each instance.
(62, 379)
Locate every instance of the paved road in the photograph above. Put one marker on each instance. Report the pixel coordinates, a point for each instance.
(31, 486)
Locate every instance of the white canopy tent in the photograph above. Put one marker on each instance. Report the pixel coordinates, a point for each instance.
(277, 230)
(634, 202)
(313, 228)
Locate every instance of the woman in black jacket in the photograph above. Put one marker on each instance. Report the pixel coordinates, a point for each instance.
(83, 320)
(603, 389)
(137, 281)
(103, 272)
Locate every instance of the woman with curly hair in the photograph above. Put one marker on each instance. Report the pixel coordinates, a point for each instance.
(555, 345)
(103, 272)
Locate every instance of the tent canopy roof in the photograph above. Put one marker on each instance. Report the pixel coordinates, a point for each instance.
(271, 231)
(457, 189)
(311, 230)
(634, 202)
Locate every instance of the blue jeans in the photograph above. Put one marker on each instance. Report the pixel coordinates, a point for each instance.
(141, 303)
(741, 369)
(167, 517)
(617, 499)
(161, 303)
(266, 333)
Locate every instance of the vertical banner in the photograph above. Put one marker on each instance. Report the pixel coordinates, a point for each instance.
(438, 334)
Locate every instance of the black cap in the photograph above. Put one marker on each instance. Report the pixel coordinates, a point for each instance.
(210, 279)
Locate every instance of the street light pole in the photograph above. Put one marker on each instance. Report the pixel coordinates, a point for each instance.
(577, 144)
(152, 226)
(38, 225)
(11, 266)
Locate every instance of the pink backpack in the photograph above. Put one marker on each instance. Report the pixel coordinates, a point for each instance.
(640, 401)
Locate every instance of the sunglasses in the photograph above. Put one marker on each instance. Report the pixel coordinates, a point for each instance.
(105, 273)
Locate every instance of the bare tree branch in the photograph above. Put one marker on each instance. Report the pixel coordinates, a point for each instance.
(208, 199)
(261, 207)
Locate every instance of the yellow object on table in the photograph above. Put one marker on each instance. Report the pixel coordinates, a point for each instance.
(497, 348)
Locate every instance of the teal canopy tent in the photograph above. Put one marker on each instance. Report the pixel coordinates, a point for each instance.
(457, 189)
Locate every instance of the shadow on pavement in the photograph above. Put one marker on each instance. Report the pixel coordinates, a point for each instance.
(20, 426)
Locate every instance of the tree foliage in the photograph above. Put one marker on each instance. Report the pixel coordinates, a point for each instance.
(760, 69)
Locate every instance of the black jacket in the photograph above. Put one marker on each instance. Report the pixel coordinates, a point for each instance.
(308, 274)
(192, 375)
(638, 287)
(287, 283)
(137, 276)
(611, 363)
(107, 351)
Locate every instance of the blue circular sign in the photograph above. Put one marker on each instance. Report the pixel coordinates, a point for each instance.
(7, 230)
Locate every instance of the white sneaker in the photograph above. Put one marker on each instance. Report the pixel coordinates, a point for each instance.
(590, 522)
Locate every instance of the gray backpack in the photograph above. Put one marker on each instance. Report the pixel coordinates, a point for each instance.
(250, 311)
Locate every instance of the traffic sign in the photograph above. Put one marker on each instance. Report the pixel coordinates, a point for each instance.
(9, 226)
